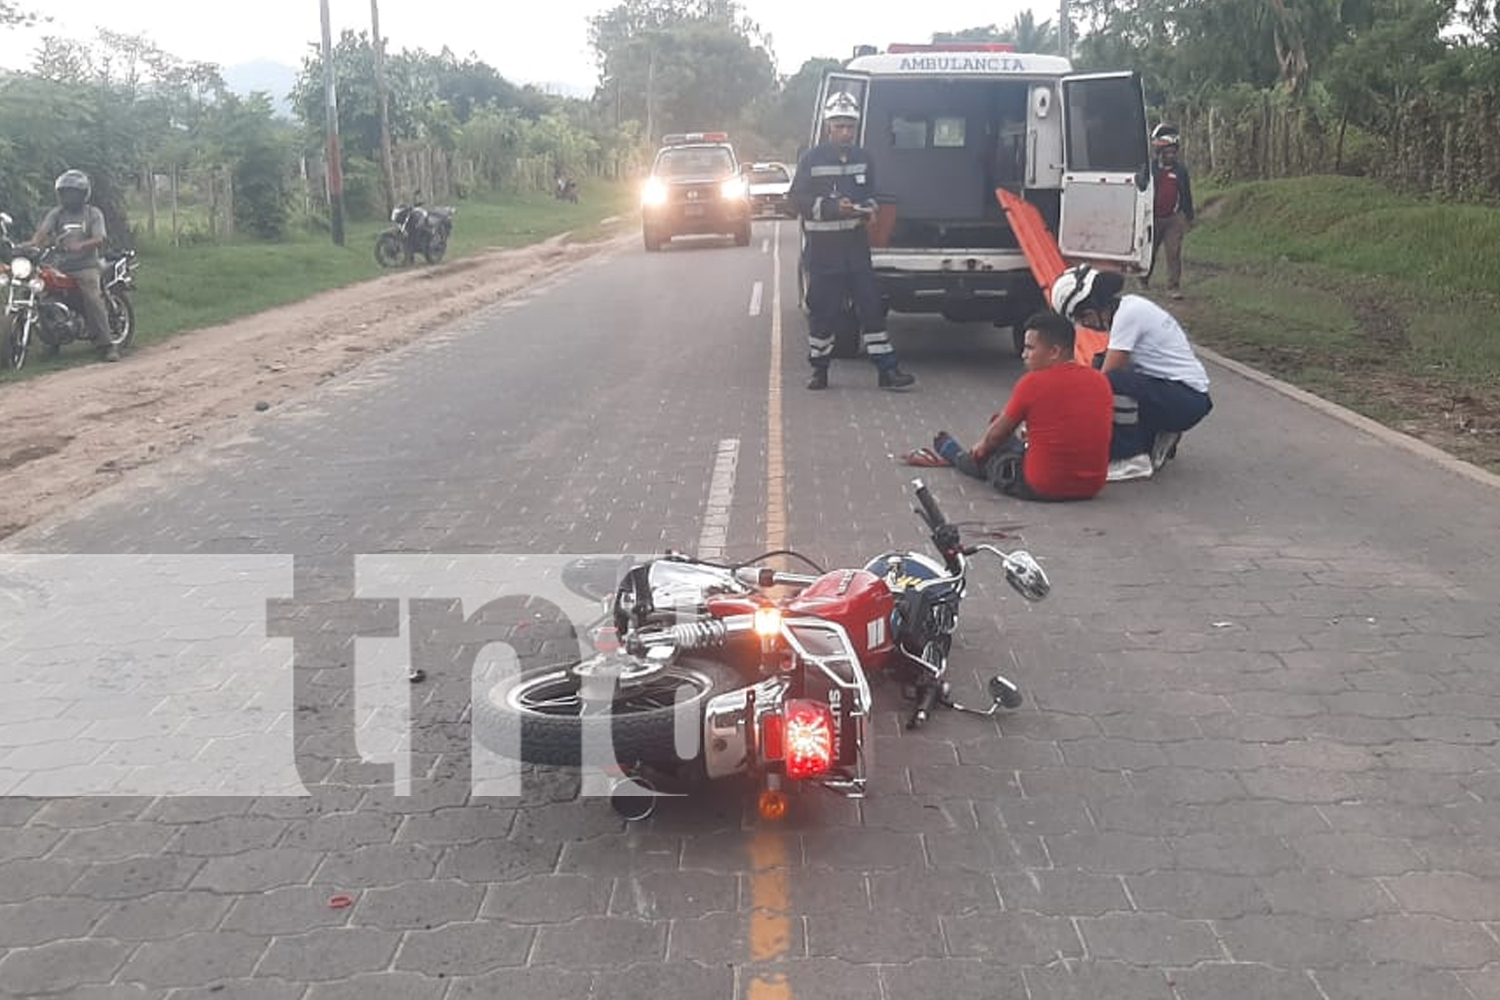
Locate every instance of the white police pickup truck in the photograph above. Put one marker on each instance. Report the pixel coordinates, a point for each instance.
(947, 124)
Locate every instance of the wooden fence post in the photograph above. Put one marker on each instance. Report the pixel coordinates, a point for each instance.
(228, 202)
(151, 201)
(176, 233)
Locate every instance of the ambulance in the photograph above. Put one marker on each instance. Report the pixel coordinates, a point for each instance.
(947, 125)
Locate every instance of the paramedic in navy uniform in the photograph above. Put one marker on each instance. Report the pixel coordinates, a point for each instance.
(834, 194)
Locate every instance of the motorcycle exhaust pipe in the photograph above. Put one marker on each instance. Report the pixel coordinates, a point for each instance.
(633, 798)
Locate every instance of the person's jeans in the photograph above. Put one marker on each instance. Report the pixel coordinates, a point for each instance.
(1002, 470)
(1162, 406)
(1169, 231)
(95, 314)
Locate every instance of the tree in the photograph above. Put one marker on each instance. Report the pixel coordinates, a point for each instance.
(679, 63)
(789, 112)
(1023, 32)
(13, 15)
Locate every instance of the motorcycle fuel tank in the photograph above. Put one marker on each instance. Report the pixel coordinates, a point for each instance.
(856, 599)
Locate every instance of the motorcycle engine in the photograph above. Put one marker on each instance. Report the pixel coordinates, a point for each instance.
(59, 324)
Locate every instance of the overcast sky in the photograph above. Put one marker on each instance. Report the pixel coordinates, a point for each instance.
(525, 40)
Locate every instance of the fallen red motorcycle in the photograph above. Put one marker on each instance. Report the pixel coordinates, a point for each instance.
(716, 677)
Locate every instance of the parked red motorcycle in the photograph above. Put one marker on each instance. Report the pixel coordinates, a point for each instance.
(716, 677)
(44, 303)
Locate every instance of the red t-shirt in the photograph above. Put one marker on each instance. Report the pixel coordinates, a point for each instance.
(1069, 411)
(1166, 192)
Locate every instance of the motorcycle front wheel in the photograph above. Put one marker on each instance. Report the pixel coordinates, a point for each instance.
(121, 320)
(539, 717)
(436, 248)
(388, 250)
(17, 339)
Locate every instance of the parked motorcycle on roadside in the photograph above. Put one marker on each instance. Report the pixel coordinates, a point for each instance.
(415, 229)
(714, 677)
(45, 303)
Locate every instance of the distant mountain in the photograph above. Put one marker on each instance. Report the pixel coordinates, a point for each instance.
(274, 78)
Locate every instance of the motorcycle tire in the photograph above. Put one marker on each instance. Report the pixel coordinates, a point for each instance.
(436, 248)
(388, 250)
(17, 339)
(531, 715)
(121, 320)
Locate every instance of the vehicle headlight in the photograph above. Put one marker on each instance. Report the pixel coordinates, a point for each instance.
(654, 193)
(21, 268)
(735, 187)
(395, 215)
(38, 285)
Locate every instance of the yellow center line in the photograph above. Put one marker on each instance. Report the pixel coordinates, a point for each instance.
(770, 879)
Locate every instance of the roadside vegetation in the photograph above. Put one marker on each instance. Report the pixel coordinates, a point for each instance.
(1380, 301)
(183, 288)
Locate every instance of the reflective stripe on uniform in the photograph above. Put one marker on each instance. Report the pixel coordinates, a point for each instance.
(819, 347)
(832, 225)
(838, 169)
(877, 342)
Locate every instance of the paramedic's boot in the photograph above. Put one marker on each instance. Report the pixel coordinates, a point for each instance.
(819, 378)
(896, 380)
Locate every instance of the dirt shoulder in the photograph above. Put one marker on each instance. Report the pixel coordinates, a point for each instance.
(69, 434)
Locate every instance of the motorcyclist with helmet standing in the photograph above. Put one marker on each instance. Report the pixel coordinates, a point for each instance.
(834, 194)
(78, 229)
(1173, 213)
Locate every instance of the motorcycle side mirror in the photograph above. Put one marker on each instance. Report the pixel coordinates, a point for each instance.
(1006, 694)
(1027, 577)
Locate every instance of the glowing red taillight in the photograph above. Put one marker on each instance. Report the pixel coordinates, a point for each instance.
(772, 743)
(807, 735)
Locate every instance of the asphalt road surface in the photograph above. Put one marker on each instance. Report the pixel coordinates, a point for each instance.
(1257, 757)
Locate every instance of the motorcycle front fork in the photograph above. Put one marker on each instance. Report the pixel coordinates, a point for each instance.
(933, 689)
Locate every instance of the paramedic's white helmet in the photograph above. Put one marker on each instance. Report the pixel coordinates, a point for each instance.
(1072, 289)
(841, 107)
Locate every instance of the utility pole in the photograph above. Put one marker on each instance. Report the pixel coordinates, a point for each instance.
(387, 166)
(1064, 30)
(335, 169)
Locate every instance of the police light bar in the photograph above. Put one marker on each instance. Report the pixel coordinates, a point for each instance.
(903, 48)
(682, 138)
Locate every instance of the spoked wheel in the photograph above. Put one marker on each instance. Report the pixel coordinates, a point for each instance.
(17, 339)
(388, 251)
(550, 716)
(121, 320)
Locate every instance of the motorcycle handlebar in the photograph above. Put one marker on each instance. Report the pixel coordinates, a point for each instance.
(931, 513)
(765, 576)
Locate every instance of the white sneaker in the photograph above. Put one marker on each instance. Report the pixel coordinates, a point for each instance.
(1164, 448)
(1134, 467)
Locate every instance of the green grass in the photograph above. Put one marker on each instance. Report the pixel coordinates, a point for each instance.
(1357, 226)
(1383, 302)
(185, 288)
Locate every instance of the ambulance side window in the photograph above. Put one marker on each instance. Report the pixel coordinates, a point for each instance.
(908, 133)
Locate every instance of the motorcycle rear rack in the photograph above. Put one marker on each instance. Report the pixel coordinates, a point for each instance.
(731, 721)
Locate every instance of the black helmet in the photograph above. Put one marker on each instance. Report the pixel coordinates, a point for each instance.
(73, 180)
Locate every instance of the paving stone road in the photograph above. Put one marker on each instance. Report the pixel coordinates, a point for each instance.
(1257, 760)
